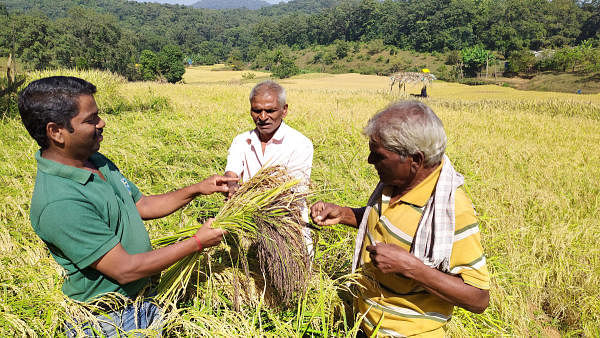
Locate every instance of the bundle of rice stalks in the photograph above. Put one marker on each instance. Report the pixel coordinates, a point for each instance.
(265, 210)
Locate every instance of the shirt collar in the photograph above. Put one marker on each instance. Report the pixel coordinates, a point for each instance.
(420, 194)
(50, 167)
(280, 133)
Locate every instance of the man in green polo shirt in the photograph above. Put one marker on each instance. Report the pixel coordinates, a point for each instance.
(90, 215)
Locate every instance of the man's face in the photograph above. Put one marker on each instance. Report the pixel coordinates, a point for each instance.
(87, 129)
(393, 169)
(267, 114)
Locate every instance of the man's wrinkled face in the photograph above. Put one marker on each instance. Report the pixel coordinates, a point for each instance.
(393, 169)
(267, 114)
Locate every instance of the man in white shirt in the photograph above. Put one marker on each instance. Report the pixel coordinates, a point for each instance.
(272, 142)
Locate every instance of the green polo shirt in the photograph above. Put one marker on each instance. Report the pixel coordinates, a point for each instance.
(81, 217)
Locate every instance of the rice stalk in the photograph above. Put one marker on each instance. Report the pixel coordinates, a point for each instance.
(265, 210)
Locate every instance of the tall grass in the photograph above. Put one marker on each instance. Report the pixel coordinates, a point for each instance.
(531, 162)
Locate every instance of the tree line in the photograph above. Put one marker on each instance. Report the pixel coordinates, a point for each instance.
(136, 39)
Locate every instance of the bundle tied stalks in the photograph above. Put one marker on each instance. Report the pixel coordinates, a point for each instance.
(265, 210)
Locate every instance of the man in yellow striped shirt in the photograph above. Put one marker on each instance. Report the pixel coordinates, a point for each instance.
(418, 245)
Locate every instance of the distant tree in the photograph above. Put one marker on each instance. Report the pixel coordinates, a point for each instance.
(591, 25)
(167, 64)
(375, 46)
(88, 39)
(453, 58)
(285, 68)
(583, 57)
(149, 65)
(210, 52)
(111, 34)
(341, 48)
(235, 59)
(30, 37)
(475, 58)
(522, 61)
(170, 63)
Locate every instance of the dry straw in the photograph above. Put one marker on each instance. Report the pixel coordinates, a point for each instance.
(266, 210)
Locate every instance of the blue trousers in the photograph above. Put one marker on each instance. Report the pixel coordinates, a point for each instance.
(117, 323)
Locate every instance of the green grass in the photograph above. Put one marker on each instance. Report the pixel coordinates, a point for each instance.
(531, 162)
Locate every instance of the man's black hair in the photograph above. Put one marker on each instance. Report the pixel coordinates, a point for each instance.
(51, 99)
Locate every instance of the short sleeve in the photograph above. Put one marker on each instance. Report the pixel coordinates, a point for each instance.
(135, 191)
(235, 157)
(300, 163)
(468, 258)
(80, 235)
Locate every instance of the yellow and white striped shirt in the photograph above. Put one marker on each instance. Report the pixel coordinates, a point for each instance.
(406, 308)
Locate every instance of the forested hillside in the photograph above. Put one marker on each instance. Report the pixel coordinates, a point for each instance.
(112, 34)
(224, 4)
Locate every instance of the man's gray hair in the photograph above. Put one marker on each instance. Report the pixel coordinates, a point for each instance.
(407, 128)
(269, 86)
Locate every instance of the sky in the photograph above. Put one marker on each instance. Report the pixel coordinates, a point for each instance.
(191, 2)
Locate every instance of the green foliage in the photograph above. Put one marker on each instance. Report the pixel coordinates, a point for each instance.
(522, 61)
(279, 61)
(453, 57)
(149, 65)
(8, 97)
(581, 58)
(234, 60)
(9, 87)
(318, 57)
(248, 76)
(375, 46)
(285, 68)
(167, 64)
(475, 58)
(341, 48)
(210, 52)
(328, 58)
(170, 63)
(447, 73)
(74, 33)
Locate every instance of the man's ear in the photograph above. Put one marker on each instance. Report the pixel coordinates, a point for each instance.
(418, 161)
(55, 133)
(285, 110)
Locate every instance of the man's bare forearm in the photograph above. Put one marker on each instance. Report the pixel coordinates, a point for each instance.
(390, 258)
(157, 206)
(451, 288)
(126, 268)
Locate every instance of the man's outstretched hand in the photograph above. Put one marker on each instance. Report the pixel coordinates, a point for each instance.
(233, 186)
(215, 183)
(324, 214)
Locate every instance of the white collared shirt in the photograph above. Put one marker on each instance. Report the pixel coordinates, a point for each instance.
(287, 147)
